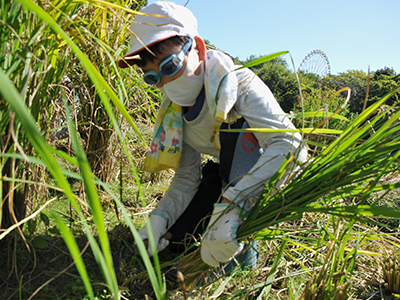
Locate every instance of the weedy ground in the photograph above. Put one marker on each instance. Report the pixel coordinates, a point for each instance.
(42, 268)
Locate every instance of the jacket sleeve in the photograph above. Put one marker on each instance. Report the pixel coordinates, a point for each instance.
(183, 187)
(261, 110)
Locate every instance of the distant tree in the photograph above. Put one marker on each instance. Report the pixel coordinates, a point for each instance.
(385, 71)
(281, 81)
(383, 81)
(354, 79)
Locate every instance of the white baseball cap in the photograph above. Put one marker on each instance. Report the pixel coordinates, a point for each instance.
(160, 20)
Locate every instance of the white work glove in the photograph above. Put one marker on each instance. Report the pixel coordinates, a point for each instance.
(219, 243)
(159, 227)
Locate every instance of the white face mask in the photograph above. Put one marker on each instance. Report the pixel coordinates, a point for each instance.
(184, 90)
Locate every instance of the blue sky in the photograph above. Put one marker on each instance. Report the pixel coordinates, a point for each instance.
(354, 34)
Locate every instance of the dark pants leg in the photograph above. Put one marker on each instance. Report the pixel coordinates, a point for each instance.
(194, 220)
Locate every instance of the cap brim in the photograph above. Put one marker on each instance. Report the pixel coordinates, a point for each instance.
(130, 60)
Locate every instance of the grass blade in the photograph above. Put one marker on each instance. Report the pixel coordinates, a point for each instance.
(74, 250)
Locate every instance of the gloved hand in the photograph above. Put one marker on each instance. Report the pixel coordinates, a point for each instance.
(159, 227)
(219, 243)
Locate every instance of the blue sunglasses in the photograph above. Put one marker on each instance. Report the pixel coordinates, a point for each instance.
(168, 67)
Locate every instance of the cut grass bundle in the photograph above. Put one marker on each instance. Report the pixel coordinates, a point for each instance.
(352, 167)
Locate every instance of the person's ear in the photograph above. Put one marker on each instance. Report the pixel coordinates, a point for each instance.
(200, 47)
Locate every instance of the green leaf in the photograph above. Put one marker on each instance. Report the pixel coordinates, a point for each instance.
(312, 114)
(253, 63)
(31, 225)
(263, 59)
(45, 219)
(54, 230)
(303, 130)
(39, 243)
(363, 210)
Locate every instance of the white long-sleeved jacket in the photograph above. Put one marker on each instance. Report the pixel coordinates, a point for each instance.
(260, 109)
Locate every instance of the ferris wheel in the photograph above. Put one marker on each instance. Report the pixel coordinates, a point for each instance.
(316, 62)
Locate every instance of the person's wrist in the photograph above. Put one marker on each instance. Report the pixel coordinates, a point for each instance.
(158, 223)
(225, 200)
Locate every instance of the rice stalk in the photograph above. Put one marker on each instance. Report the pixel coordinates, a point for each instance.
(333, 279)
(390, 265)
